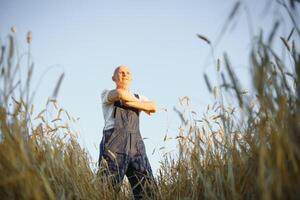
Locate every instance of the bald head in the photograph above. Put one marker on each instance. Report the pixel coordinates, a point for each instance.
(122, 76)
(119, 67)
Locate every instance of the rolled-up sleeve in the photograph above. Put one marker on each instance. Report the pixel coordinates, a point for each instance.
(104, 96)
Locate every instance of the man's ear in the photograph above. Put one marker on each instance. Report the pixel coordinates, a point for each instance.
(113, 78)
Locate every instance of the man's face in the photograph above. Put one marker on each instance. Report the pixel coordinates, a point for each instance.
(122, 76)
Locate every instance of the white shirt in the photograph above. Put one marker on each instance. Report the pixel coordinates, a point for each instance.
(108, 109)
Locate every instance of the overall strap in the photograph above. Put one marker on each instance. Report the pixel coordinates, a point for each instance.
(120, 105)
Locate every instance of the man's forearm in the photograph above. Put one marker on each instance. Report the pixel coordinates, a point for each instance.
(119, 94)
(127, 96)
(147, 106)
(131, 101)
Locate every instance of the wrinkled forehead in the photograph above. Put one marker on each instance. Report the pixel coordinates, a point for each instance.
(122, 68)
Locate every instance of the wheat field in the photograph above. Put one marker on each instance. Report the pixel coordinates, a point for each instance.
(250, 151)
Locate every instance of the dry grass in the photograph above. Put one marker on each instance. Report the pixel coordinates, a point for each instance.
(40, 157)
(251, 151)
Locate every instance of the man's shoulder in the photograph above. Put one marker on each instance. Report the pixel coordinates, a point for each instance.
(105, 90)
(104, 95)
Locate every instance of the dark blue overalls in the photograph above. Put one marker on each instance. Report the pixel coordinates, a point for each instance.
(123, 149)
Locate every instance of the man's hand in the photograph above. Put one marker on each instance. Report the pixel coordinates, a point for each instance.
(148, 113)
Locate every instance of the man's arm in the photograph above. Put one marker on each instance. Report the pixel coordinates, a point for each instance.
(146, 106)
(131, 101)
(119, 94)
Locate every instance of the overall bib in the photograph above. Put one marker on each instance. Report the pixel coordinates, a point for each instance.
(123, 149)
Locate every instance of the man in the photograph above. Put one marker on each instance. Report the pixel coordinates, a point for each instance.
(122, 147)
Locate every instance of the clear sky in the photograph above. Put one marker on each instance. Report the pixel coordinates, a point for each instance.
(157, 39)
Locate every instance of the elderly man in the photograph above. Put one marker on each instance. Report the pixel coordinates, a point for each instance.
(122, 147)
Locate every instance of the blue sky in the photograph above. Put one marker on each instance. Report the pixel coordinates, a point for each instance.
(157, 39)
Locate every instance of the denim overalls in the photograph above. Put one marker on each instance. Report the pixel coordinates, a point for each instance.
(123, 149)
